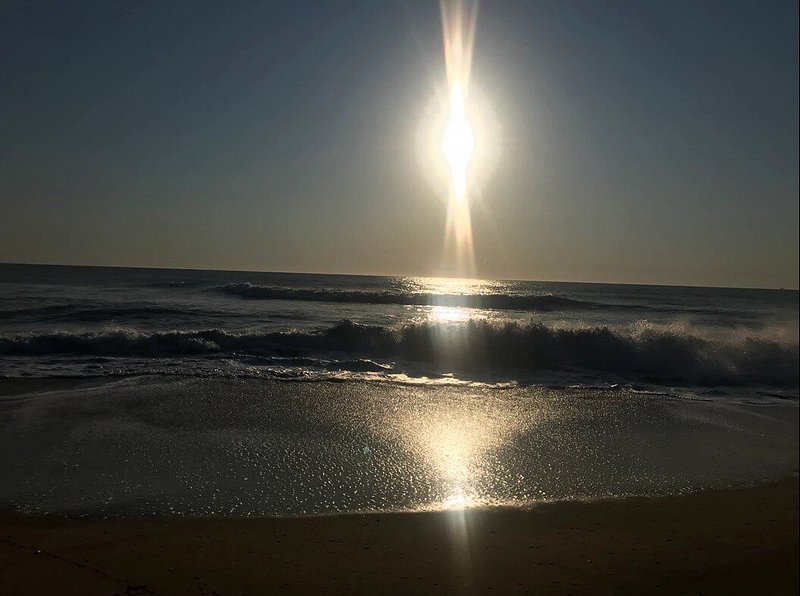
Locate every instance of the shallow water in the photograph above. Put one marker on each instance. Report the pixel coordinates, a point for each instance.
(155, 445)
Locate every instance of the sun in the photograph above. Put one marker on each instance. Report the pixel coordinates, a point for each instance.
(458, 142)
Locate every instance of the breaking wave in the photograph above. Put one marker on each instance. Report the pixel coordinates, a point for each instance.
(664, 354)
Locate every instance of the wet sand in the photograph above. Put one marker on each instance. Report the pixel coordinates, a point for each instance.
(742, 541)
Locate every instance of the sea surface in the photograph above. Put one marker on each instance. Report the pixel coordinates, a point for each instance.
(143, 391)
(91, 321)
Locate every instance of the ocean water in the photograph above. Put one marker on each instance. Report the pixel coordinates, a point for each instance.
(140, 392)
(85, 321)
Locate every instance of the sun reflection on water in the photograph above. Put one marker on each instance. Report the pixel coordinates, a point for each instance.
(453, 285)
(448, 314)
(457, 501)
(459, 441)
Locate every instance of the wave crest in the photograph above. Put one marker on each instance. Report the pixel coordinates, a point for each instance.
(661, 354)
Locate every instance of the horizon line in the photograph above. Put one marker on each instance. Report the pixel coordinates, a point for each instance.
(564, 281)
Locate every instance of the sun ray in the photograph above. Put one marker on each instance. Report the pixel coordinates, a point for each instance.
(458, 142)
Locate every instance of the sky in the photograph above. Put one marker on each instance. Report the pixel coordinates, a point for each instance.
(633, 142)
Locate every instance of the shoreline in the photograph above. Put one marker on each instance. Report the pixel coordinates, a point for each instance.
(528, 506)
(728, 541)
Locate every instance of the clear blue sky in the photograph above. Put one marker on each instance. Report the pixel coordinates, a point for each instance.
(652, 142)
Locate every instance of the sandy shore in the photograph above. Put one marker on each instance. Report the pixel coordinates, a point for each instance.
(720, 542)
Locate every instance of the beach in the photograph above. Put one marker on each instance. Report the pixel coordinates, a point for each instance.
(399, 298)
(218, 433)
(735, 541)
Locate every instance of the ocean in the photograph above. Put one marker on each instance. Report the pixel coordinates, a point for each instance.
(154, 391)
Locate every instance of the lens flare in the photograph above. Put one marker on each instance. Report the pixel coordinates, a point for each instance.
(458, 142)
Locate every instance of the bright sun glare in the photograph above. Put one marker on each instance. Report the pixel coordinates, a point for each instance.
(458, 142)
(458, 139)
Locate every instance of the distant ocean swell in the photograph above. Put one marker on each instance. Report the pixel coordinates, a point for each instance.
(656, 353)
(94, 314)
(545, 303)
(523, 302)
(497, 301)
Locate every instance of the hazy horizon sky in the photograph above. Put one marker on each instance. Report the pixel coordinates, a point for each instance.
(639, 142)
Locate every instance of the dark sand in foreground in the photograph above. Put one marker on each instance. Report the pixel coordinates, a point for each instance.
(722, 542)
